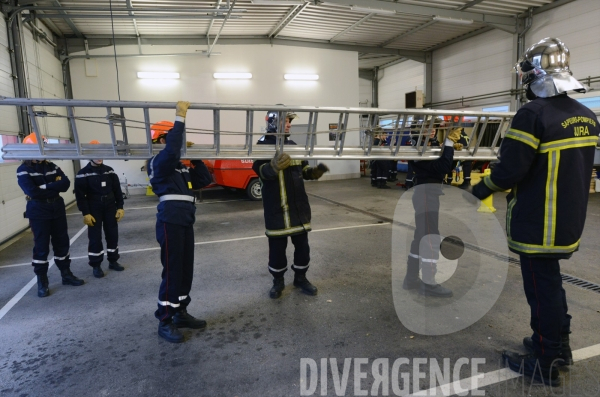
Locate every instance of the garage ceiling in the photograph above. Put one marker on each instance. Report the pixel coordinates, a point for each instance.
(383, 32)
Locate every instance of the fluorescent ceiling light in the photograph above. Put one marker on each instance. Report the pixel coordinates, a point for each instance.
(157, 75)
(279, 2)
(292, 76)
(453, 20)
(372, 10)
(232, 75)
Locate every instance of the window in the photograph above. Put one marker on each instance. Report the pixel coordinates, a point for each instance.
(504, 108)
(592, 103)
(6, 140)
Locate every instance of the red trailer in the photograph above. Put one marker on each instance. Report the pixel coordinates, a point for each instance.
(236, 174)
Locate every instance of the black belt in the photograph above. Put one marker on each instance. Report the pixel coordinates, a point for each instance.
(48, 200)
(108, 197)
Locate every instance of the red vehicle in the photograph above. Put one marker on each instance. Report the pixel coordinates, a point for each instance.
(236, 174)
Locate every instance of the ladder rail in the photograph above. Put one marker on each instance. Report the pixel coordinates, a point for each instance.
(402, 123)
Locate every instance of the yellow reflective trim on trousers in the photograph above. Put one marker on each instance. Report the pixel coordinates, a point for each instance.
(540, 249)
(284, 203)
(524, 137)
(509, 211)
(284, 232)
(488, 182)
(569, 143)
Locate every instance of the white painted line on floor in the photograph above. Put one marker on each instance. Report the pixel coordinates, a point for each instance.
(154, 206)
(217, 241)
(33, 281)
(490, 378)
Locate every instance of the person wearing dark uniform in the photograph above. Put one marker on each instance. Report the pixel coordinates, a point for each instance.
(467, 165)
(100, 200)
(42, 182)
(546, 158)
(286, 208)
(426, 202)
(174, 185)
(381, 167)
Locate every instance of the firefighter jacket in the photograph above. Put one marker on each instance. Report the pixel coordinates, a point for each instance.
(286, 207)
(42, 182)
(433, 171)
(546, 159)
(97, 186)
(168, 176)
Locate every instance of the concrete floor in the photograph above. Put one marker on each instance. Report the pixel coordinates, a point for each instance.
(100, 339)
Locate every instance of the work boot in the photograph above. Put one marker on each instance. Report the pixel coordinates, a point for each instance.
(43, 290)
(69, 278)
(115, 266)
(98, 273)
(435, 290)
(373, 183)
(411, 283)
(533, 367)
(301, 282)
(566, 355)
(277, 288)
(465, 185)
(382, 184)
(182, 319)
(168, 331)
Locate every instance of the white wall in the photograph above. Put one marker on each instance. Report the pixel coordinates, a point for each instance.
(365, 93)
(397, 80)
(337, 86)
(479, 65)
(44, 79)
(576, 24)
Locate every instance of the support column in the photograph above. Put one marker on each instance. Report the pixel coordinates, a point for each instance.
(428, 78)
(375, 88)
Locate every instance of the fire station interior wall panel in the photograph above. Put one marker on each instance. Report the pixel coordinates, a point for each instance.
(476, 66)
(576, 24)
(45, 80)
(399, 79)
(338, 85)
(365, 93)
(8, 114)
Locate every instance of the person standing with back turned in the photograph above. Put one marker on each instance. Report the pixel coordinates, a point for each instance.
(173, 183)
(546, 159)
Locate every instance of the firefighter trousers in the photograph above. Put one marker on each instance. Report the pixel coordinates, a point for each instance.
(46, 231)
(278, 258)
(105, 220)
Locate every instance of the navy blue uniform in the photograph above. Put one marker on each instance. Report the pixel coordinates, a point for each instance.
(286, 210)
(173, 183)
(426, 202)
(98, 193)
(46, 212)
(546, 158)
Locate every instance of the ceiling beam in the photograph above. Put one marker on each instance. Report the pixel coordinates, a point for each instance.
(408, 33)
(221, 29)
(460, 38)
(287, 19)
(469, 5)
(68, 20)
(76, 44)
(349, 28)
(130, 5)
(546, 7)
(144, 16)
(428, 11)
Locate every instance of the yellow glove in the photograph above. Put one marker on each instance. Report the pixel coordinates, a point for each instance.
(58, 178)
(280, 162)
(458, 146)
(181, 108)
(319, 170)
(189, 144)
(120, 214)
(89, 220)
(454, 135)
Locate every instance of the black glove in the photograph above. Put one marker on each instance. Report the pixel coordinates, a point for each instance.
(319, 170)
(481, 191)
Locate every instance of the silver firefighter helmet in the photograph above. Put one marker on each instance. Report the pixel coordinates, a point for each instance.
(545, 69)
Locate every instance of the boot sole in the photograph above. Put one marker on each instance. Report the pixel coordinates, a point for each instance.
(309, 293)
(548, 382)
(172, 340)
(74, 285)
